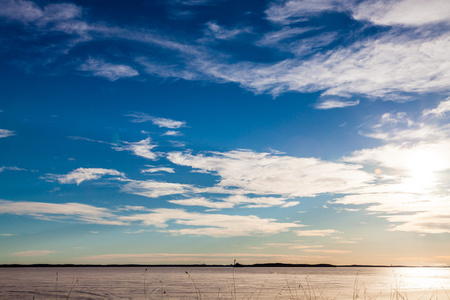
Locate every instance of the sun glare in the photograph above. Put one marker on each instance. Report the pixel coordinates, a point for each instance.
(421, 278)
(422, 166)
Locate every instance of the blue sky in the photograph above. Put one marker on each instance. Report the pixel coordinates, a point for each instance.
(187, 131)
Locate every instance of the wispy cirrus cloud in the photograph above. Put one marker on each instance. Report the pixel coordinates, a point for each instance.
(216, 225)
(253, 202)
(11, 169)
(388, 65)
(142, 148)
(204, 202)
(236, 200)
(33, 253)
(29, 12)
(60, 212)
(323, 232)
(293, 11)
(275, 37)
(6, 133)
(82, 174)
(219, 32)
(160, 122)
(110, 71)
(155, 189)
(184, 222)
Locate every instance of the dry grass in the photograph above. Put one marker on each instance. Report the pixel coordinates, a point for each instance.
(303, 290)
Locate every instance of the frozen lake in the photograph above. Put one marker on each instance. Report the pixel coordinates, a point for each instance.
(224, 283)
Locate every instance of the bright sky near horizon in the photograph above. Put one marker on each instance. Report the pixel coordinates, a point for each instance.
(201, 131)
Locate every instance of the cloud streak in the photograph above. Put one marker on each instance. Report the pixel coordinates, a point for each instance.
(60, 212)
(160, 122)
(32, 253)
(83, 174)
(6, 133)
(107, 70)
(216, 225)
(184, 223)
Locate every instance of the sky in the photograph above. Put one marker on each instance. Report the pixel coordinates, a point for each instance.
(203, 131)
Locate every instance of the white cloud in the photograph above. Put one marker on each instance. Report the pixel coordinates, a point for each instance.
(412, 168)
(165, 70)
(333, 103)
(432, 156)
(400, 128)
(385, 66)
(142, 148)
(6, 133)
(394, 119)
(55, 212)
(168, 123)
(33, 253)
(310, 45)
(429, 222)
(81, 174)
(11, 169)
(79, 138)
(324, 232)
(158, 169)
(110, 71)
(275, 37)
(215, 225)
(155, 189)
(440, 111)
(409, 210)
(403, 12)
(172, 133)
(25, 11)
(221, 33)
(139, 117)
(292, 11)
(263, 173)
(415, 132)
(29, 12)
(237, 200)
(252, 202)
(180, 221)
(327, 251)
(203, 202)
(379, 12)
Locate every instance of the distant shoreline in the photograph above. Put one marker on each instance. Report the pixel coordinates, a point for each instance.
(265, 265)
